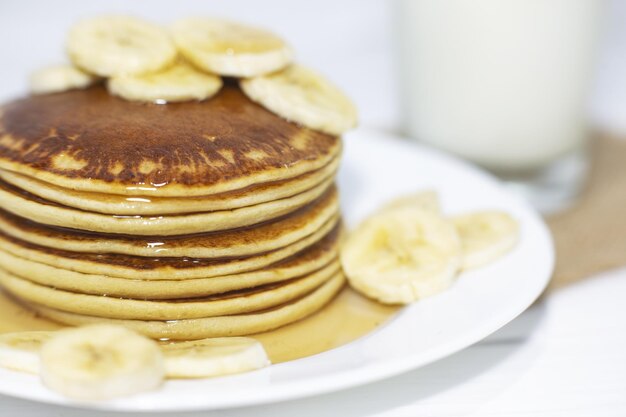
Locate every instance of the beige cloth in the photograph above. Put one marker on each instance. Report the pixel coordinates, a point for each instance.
(591, 236)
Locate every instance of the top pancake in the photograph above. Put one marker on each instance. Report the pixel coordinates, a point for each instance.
(92, 141)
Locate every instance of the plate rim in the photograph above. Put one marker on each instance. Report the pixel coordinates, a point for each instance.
(368, 373)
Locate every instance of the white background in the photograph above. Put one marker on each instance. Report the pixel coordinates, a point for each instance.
(564, 357)
(349, 40)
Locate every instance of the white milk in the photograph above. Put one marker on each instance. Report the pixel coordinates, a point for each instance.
(500, 82)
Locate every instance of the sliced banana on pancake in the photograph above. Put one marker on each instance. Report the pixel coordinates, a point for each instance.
(485, 236)
(213, 357)
(118, 45)
(58, 78)
(101, 362)
(402, 255)
(228, 48)
(424, 200)
(303, 96)
(20, 351)
(179, 82)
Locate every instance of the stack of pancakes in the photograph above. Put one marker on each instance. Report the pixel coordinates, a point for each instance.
(182, 221)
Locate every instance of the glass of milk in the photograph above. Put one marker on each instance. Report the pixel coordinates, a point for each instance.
(502, 83)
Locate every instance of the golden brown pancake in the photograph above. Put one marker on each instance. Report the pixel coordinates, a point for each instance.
(237, 242)
(200, 328)
(92, 141)
(182, 221)
(303, 263)
(134, 267)
(144, 205)
(237, 302)
(36, 209)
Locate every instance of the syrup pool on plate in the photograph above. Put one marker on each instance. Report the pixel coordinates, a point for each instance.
(348, 317)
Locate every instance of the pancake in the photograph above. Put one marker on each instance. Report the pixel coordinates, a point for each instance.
(38, 210)
(92, 141)
(141, 206)
(303, 263)
(130, 267)
(238, 302)
(200, 328)
(238, 242)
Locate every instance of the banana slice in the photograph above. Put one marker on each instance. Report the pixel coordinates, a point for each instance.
(424, 200)
(100, 362)
(402, 255)
(20, 351)
(485, 236)
(59, 78)
(179, 83)
(213, 357)
(303, 96)
(229, 48)
(118, 45)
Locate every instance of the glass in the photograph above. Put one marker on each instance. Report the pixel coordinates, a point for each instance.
(504, 84)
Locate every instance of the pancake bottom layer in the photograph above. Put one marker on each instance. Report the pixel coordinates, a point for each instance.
(238, 302)
(199, 328)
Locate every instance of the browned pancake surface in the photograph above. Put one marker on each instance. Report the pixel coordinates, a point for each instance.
(138, 263)
(92, 135)
(245, 235)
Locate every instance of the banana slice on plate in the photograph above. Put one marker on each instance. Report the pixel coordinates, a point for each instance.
(485, 236)
(402, 255)
(20, 351)
(100, 362)
(424, 200)
(119, 45)
(303, 96)
(228, 48)
(180, 82)
(213, 357)
(59, 78)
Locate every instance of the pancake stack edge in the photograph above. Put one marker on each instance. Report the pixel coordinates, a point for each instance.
(257, 254)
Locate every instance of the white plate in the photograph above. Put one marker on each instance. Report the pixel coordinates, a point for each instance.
(378, 167)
